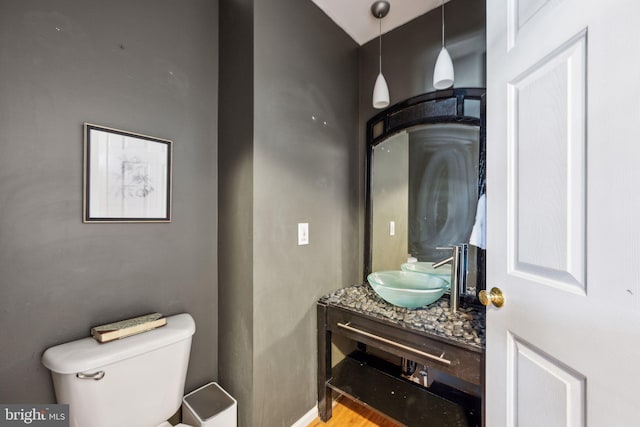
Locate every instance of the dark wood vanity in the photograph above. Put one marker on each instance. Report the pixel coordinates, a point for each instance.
(425, 174)
(418, 335)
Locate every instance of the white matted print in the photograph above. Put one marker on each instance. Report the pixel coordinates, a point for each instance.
(127, 176)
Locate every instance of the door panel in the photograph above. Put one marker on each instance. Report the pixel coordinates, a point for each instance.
(521, 11)
(530, 369)
(547, 169)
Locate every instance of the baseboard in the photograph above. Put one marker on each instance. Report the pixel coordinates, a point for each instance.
(307, 418)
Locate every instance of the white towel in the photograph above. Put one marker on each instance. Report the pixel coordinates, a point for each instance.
(479, 233)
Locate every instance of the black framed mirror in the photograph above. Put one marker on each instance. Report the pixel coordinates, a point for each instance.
(425, 176)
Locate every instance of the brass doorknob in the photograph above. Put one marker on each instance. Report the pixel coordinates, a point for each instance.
(494, 297)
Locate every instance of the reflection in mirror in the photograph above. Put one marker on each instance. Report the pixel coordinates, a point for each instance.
(425, 176)
(443, 187)
(390, 201)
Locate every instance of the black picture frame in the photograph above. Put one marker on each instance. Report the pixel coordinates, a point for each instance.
(127, 176)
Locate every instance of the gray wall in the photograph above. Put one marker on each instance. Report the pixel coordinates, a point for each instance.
(303, 67)
(306, 67)
(235, 204)
(148, 66)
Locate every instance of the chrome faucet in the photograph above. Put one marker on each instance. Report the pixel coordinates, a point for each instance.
(458, 261)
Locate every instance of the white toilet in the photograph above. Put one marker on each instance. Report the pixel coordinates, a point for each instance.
(136, 381)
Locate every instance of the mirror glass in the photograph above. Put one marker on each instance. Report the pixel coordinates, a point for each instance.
(424, 184)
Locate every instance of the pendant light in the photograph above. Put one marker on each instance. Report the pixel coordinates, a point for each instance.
(379, 10)
(443, 72)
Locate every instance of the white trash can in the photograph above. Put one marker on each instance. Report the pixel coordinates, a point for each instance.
(210, 406)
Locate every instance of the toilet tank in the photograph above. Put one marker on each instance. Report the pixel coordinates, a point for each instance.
(139, 380)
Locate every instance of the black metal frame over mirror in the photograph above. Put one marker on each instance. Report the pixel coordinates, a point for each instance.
(440, 107)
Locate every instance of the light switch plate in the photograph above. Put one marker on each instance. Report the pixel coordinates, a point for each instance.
(303, 233)
(392, 228)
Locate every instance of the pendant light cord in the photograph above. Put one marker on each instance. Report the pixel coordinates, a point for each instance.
(380, 42)
(442, 23)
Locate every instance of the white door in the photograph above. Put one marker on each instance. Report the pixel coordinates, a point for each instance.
(563, 187)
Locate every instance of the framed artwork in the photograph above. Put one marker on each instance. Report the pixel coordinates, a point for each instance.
(127, 176)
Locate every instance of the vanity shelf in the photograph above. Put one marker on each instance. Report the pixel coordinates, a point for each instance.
(377, 384)
(418, 335)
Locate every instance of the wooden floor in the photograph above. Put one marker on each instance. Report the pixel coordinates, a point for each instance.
(348, 413)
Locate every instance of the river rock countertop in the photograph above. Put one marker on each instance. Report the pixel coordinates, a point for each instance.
(467, 325)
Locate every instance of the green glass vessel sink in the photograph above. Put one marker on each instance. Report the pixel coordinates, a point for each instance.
(407, 288)
(443, 272)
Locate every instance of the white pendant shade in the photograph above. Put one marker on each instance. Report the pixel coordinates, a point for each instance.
(380, 93)
(443, 72)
